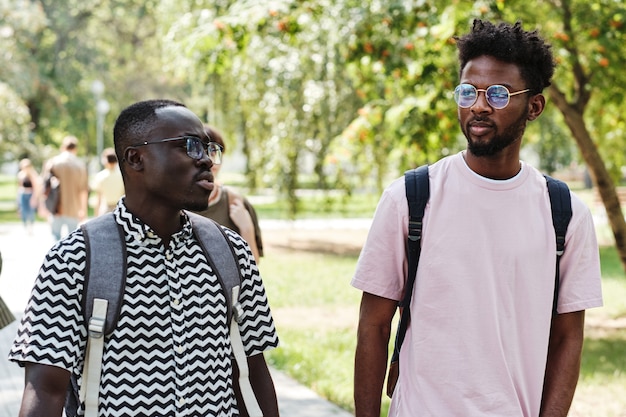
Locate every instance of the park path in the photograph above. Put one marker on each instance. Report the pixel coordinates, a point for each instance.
(22, 255)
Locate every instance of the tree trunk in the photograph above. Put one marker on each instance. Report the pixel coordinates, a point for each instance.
(600, 175)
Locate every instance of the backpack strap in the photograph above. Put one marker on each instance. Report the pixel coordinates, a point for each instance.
(103, 296)
(222, 258)
(417, 188)
(561, 205)
(245, 388)
(105, 280)
(105, 239)
(220, 255)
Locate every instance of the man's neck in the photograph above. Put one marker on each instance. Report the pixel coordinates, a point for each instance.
(500, 167)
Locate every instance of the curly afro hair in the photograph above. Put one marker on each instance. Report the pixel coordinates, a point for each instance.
(512, 44)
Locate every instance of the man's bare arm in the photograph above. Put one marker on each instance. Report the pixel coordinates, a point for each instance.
(563, 365)
(370, 361)
(262, 385)
(45, 389)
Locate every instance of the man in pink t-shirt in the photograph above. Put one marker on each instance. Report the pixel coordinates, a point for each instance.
(482, 339)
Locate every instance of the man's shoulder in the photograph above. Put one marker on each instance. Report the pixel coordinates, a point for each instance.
(70, 249)
(68, 160)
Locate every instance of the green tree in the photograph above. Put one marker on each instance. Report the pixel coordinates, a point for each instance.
(590, 95)
(16, 76)
(276, 75)
(57, 49)
(588, 39)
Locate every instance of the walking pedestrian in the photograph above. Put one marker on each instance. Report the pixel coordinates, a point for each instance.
(69, 173)
(28, 190)
(107, 184)
(230, 208)
(482, 340)
(170, 352)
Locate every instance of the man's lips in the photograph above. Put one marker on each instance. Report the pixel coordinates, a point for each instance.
(479, 128)
(206, 182)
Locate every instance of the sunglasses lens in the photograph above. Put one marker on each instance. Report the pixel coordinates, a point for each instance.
(194, 147)
(215, 153)
(465, 95)
(498, 96)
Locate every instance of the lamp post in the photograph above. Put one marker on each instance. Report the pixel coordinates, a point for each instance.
(102, 108)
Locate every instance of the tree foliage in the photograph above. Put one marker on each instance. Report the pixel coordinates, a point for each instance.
(340, 94)
(53, 51)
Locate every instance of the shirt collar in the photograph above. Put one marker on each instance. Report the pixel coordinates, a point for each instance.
(137, 230)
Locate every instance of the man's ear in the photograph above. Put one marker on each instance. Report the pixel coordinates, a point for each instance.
(536, 104)
(133, 159)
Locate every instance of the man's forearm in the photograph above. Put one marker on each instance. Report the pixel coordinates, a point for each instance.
(562, 370)
(263, 385)
(370, 365)
(45, 390)
(39, 404)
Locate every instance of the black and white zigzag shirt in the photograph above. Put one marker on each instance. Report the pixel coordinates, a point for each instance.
(170, 352)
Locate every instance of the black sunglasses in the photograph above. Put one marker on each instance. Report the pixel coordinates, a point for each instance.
(195, 147)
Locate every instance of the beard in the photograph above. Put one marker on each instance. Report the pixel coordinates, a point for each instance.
(500, 141)
(195, 201)
(197, 205)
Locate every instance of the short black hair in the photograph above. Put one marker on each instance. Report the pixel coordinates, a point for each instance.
(512, 44)
(133, 123)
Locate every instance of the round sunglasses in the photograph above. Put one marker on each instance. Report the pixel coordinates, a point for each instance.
(498, 96)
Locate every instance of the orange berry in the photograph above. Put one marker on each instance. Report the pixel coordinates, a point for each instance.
(562, 36)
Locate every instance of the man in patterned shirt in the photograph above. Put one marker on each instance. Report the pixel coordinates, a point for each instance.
(170, 353)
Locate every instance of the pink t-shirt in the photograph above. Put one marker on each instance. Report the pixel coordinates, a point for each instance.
(481, 306)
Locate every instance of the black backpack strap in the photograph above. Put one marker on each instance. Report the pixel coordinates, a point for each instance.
(561, 205)
(219, 253)
(106, 259)
(417, 193)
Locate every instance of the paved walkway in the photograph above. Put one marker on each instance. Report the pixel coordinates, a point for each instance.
(22, 255)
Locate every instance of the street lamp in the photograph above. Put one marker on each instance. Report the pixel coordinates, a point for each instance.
(102, 108)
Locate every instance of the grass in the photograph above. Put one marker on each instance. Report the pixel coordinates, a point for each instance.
(8, 199)
(316, 311)
(312, 205)
(316, 316)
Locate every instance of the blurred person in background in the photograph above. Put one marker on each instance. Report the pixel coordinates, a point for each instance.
(71, 174)
(28, 189)
(107, 184)
(231, 209)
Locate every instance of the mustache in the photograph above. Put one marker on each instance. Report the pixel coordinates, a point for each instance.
(478, 119)
(205, 175)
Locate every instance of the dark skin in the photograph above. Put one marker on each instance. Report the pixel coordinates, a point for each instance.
(160, 181)
(370, 363)
(482, 125)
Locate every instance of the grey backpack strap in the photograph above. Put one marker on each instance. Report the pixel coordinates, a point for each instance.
(220, 254)
(223, 260)
(103, 291)
(106, 259)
